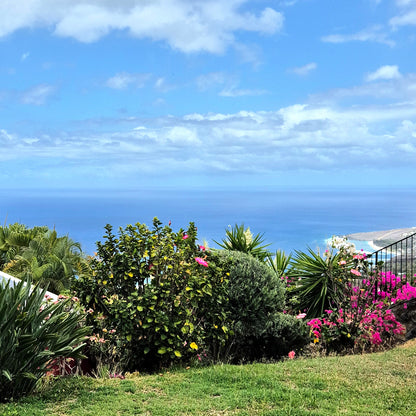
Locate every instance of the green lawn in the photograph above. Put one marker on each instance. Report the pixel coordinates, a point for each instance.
(372, 384)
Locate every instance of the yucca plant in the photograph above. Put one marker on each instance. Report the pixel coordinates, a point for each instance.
(318, 284)
(239, 238)
(279, 263)
(32, 333)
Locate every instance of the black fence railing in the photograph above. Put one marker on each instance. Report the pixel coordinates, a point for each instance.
(398, 258)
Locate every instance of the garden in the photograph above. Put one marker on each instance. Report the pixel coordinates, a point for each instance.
(157, 322)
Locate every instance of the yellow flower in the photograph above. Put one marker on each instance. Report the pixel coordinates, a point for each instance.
(193, 346)
(316, 340)
(349, 335)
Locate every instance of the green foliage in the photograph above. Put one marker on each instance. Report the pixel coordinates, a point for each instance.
(32, 334)
(241, 239)
(39, 254)
(256, 299)
(280, 263)
(316, 279)
(158, 295)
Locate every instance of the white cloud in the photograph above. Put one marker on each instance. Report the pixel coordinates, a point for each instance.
(407, 14)
(304, 70)
(372, 34)
(189, 26)
(124, 80)
(213, 79)
(384, 72)
(24, 56)
(233, 91)
(38, 94)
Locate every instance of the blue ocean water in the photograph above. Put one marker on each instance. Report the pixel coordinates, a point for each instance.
(290, 220)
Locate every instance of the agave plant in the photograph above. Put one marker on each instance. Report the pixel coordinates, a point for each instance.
(32, 333)
(241, 239)
(318, 285)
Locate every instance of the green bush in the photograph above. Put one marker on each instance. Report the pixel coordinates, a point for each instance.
(256, 300)
(154, 298)
(32, 333)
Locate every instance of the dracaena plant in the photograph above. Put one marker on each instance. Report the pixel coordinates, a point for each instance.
(32, 333)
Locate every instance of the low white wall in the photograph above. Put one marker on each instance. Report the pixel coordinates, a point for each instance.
(6, 277)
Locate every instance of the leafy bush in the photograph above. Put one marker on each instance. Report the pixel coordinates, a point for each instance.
(256, 299)
(154, 297)
(32, 334)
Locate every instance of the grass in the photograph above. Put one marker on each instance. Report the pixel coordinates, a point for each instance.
(372, 384)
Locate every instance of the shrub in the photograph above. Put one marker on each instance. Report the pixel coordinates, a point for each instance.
(256, 303)
(154, 297)
(32, 334)
(360, 318)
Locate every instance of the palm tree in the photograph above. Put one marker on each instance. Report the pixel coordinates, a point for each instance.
(47, 259)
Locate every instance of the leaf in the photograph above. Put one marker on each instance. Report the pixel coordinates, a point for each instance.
(161, 350)
(7, 374)
(178, 354)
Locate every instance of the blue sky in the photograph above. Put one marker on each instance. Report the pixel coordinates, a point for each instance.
(207, 93)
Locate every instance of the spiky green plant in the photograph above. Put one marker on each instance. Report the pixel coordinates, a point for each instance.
(317, 281)
(32, 333)
(280, 263)
(239, 238)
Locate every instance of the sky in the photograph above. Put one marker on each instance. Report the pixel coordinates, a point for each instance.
(195, 94)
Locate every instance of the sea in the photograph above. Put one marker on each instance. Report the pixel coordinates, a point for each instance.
(289, 220)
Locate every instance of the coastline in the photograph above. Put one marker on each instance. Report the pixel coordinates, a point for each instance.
(379, 239)
(374, 246)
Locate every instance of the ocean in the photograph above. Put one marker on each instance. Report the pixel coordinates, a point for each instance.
(289, 219)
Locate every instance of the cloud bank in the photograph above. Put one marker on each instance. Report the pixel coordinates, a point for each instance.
(313, 136)
(188, 26)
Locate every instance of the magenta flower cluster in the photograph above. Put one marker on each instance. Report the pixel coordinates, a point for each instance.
(363, 318)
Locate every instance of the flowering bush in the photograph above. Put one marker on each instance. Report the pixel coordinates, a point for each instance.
(349, 302)
(154, 297)
(363, 321)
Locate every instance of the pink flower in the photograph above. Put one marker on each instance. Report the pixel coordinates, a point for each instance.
(202, 248)
(301, 315)
(291, 355)
(201, 261)
(376, 339)
(342, 262)
(185, 236)
(356, 272)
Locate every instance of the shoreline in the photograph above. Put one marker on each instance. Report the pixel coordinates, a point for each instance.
(379, 239)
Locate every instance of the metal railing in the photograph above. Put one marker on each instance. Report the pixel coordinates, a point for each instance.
(398, 258)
